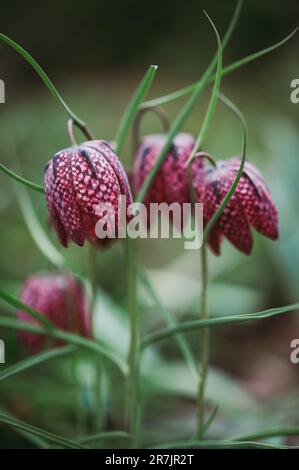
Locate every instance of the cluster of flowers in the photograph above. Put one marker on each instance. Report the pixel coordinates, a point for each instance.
(79, 178)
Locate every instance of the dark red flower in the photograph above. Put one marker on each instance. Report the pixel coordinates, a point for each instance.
(77, 180)
(171, 182)
(61, 299)
(251, 204)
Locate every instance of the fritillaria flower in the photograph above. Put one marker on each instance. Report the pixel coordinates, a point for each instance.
(251, 204)
(79, 179)
(171, 181)
(61, 299)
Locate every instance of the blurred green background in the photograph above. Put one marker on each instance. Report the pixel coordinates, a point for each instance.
(96, 53)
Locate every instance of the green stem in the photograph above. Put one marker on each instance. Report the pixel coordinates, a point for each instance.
(44, 77)
(133, 402)
(211, 77)
(205, 343)
(19, 179)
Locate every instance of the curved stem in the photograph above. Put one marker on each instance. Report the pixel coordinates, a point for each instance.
(136, 126)
(70, 132)
(133, 394)
(20, 179)
(205, 343)
(183, 116)
(211, 77)
(44, 77)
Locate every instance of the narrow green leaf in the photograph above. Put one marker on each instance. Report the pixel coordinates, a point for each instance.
(15, 423)
(42, 74)
(35, 360)
(210, 79)
(170, 320)
(19, 179)
(213, 100)
(15, 302)
(234, 185)
(103, 435)
(36, 231)
(220, 444)
(210, 420)
(190, 326)
(72, 338)
(267, 433)
(176, 126)
(132, 108)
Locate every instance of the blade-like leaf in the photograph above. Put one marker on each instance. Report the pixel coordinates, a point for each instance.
(72, 338)
(234, 185)
(44, 77)
(177, 125)
(190, 326)
(15, 423)
(209, 421)
(37, 233)
(267, 433)
(170, 320)
(15, 302)
(132, 108)
(35, 360)
(210, 79)
(220, 444)
(103, 435)
(213, 100)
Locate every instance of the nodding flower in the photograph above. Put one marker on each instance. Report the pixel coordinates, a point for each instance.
(61, 299)
(79, 179)
(171, 181)
(251, 204)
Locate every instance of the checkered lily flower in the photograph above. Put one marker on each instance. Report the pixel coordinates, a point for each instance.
(77, 180)
(251, 204)
(61, 299)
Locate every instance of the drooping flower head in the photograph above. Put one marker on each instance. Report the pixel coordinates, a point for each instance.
(61, 299)
(77, 180)
(251, 204)
(171, 181)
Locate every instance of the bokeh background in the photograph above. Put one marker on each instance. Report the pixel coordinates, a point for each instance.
(96, 53)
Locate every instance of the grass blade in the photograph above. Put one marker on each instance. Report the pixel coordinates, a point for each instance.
(15, 302)
(234, 185)
(220, 444)
(190, 326)
(72, 338)
(44, 77)
(225, 71)
(35, 360)
(213, 100)
(209, 421)
(19, 179)
(35, 229)
(132, 108)
(20, 425)
(176, 126)
(103, 435)
(267, 433)
(171, 321)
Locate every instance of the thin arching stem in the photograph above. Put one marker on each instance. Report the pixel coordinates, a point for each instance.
(70, 132)
(137, 123)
